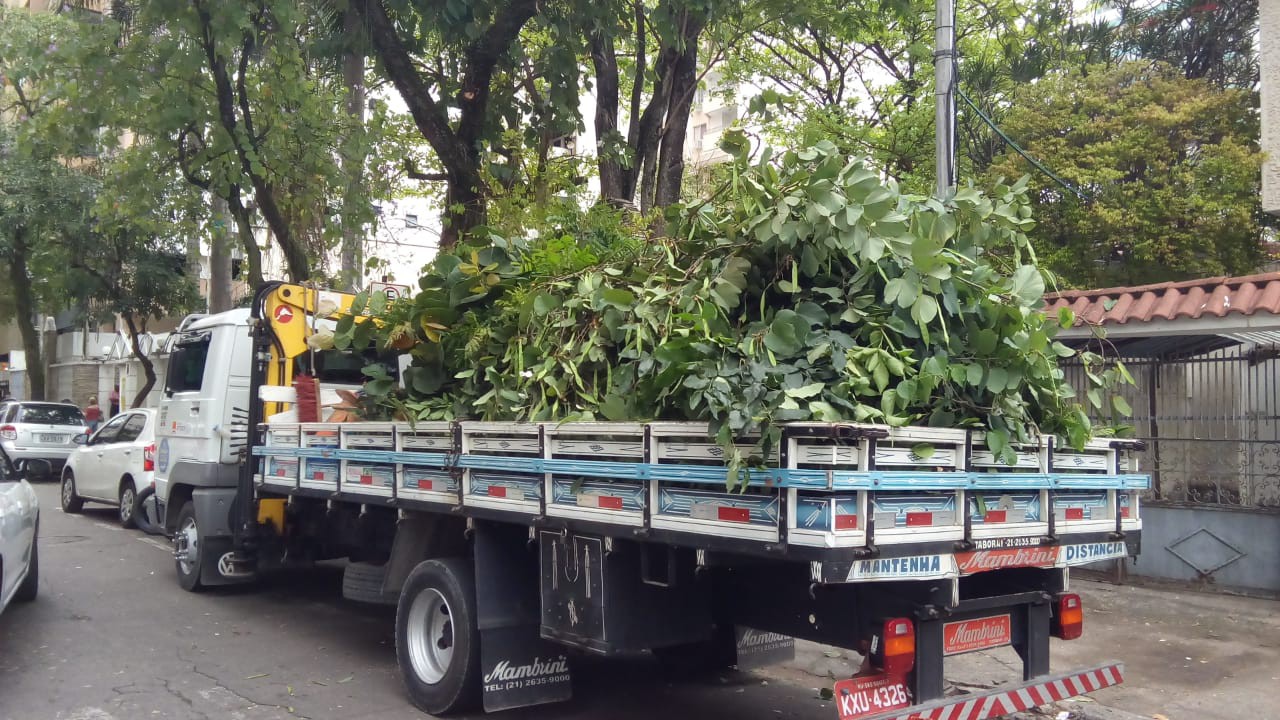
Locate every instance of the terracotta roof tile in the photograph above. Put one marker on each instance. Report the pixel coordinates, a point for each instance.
(1214, 297)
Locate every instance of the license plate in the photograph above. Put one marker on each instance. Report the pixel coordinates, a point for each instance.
(863, 696)
(52, 438)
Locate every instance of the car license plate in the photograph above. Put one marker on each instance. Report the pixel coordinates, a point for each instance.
(46, 438)
(863, 696)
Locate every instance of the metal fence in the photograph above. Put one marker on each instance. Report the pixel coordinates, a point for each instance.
(1211, 422)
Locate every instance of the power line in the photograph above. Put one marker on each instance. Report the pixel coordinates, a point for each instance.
(1018, 149)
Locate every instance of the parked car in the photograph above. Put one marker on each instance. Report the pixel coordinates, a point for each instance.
(40, 431)
(19, 526)
(113, 465)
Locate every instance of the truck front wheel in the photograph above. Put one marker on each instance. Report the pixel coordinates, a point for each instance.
(188, 545)
(437, 641)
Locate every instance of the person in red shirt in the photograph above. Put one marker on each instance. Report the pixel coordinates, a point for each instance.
(114, 397)
(93, 414)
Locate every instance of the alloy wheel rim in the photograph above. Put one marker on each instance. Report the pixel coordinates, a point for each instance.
(126, 504)
(66, 490)
(188, 546)
(430, 636)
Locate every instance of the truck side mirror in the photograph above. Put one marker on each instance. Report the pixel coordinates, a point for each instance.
(81, 439)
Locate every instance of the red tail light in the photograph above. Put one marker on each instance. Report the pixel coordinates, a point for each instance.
(894, 649)
(8, 432)
(149, 458)
(1068, 617)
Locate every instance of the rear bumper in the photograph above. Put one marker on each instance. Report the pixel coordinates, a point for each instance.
(1001, 701)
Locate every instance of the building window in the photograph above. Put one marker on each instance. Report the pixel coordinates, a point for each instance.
(411, 221)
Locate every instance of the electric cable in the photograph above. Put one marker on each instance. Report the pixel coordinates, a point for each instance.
(1018, 149)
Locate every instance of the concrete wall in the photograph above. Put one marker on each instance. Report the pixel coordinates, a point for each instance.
(1208, 537)
(77, 381)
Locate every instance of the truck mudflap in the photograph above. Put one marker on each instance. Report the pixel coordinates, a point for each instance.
(858, 699)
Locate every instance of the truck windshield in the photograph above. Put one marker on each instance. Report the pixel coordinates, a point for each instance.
(186, 365)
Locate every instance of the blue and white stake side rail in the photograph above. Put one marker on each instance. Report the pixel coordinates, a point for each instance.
(710, 475)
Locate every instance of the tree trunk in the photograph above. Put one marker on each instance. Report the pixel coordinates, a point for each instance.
(608, 158)
(684, 81)
(24, 304)
(457, 149)
(244, 228)
(353, 155)
(148, 367)
(220, 259)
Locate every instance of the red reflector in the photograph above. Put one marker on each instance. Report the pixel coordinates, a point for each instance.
(733, 514)
(366, 479)
(846, 522)
(919, 519)
(1075, 513)
(994, 516)
(497, 491)
(1124, 512)
(425, 484)
(609, 502)
(279, 472)
(149, 458)
(317, 475)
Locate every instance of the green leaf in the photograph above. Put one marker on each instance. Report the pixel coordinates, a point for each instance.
(997, 379)
(544, 303)
(787, 333)
(806, 391)
(621, 299)
(1121, 405)
(1066, 318)
(1028, 284)
(922, 451)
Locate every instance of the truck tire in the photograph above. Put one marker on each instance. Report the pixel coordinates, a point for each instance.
(362, 582)
(71, 502)
(31, 583)
(437, 640)
(188, 549)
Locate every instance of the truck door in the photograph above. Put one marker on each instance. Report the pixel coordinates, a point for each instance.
(184, 431)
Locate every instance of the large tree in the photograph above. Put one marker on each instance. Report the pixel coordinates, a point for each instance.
(1211, 39)
(861, 73)
(233, 97)
(1168, 169)
(39, 193)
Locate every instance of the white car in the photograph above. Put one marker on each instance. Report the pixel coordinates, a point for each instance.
(113, 465)
(19, 523)
(40, 431)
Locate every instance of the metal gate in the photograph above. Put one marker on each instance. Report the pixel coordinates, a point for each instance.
(1211, 422)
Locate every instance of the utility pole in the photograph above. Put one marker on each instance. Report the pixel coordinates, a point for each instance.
(944, 79)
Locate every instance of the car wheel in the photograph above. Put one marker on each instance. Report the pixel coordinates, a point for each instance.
(188, 547)
(128, 505)
(27, 590)
(437, 640)
(71, 502)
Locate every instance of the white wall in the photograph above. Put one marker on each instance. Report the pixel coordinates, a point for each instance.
(1269, 39)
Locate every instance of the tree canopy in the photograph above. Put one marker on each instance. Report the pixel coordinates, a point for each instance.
(1168, 168)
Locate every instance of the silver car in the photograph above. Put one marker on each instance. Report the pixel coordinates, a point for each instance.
(19, 523)
(40, 431)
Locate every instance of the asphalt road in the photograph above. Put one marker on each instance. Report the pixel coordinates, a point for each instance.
(112, 637)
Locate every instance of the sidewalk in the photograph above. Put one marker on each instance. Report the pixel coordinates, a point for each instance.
(1187, 655)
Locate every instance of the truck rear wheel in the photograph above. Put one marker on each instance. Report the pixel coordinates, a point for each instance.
(437, 641)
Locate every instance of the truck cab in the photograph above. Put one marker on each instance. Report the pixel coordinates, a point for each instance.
(202, 420)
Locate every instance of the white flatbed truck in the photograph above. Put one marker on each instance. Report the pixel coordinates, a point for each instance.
(510, 547)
